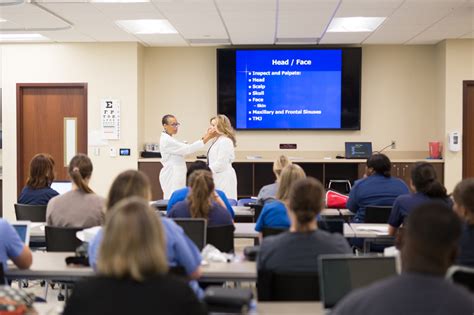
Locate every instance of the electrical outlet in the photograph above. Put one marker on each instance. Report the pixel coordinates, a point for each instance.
(393, 145)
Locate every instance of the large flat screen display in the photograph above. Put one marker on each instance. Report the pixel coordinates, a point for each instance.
(281, 89)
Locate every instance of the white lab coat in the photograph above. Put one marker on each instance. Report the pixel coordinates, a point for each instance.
(220, 156)
(173, 173)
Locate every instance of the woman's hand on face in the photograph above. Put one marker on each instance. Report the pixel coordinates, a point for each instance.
(211, 133)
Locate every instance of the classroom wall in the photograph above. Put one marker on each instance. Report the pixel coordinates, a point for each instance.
(110, 71)
(459, 67)
(397, 100)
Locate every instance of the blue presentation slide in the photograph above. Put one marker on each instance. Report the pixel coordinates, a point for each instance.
(288, 89)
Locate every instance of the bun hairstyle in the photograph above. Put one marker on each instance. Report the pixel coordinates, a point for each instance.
(280, 164)
(202, 186)
(164, 119)
(196, 165)
(41, 171)
(424, 178)
(380, 163)
(80, 169)
(289, 175)
(306, 199)
(224, 127)
(127, 184)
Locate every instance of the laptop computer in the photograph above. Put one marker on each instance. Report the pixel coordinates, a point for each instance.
(23, 230)
(340, 274)
(358, 150)
(61, 186)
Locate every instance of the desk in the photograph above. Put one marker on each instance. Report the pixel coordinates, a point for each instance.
(52, 266)
(288, 308)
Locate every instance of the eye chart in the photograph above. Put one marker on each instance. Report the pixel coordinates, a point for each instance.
(110, 119)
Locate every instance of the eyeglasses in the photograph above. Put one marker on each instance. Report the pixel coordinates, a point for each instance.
(175, 125)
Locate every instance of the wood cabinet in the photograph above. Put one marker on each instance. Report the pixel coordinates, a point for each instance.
(253, 175)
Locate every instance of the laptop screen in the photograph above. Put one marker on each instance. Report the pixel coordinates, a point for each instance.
(23, 230)
(341, 274)
(62, 187)
(358, 150)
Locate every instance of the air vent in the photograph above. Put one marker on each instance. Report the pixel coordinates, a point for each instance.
(294, 40)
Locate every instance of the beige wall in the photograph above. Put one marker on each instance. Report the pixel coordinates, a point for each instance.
(459, 66)
(110, 71)
(397, 99)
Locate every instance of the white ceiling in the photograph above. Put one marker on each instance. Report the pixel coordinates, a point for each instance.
(242, 22)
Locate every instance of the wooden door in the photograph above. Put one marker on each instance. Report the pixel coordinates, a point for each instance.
(43, 111)
(468, 130)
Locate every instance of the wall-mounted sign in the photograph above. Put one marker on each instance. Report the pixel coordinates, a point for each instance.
(110, 119)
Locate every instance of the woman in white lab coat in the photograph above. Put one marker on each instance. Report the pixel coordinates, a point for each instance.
(220, 156)
(173, 173)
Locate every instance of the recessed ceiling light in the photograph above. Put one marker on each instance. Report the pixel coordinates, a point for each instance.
(147, 26)
(119, 1)
(355, 24)
(22, 37)
(2, 20)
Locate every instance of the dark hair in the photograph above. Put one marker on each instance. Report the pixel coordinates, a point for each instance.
(80, 168)
(463, 194)
(423, 177)
(196, 165)
(380, 163)
(165, 118)
(41, 171)
(432, 232)
(202, 186)
(127, 184)
(306, 199)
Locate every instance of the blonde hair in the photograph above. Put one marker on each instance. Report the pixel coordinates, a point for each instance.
(127, 184)
(280, 164)
(224, 127)
(202, 186)
(133, 245)
(289, 175)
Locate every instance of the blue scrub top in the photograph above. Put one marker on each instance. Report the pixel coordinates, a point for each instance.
(41, 196)
(181, 194)
(273, 215)
(11, 245)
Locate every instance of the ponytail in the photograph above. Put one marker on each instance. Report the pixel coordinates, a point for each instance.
(202, 186)
(80, 169)
(423, 177)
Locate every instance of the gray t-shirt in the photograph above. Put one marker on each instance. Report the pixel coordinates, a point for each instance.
(76, 209)
(267, 193)
(409, 293)
(298, 252)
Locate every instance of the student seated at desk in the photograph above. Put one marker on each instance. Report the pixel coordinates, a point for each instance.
(37, 190)
(298, 249)
(181, 194)
(180, 250)
(11, 247)
(201, 202)
(427, 188)
(379, 188)
(428, 248)
(274, 214)
(268, 192)
(80, 207)
(132, 269)
(463, 195)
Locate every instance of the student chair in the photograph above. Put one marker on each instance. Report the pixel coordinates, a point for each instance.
(245, 202)
(345, 183)
(462, 275)
(287, 286)
(257, 209)
(377, 214)
(222, 237)
(232, 202)
(332, 225)
(60, 239)
(268, 231)
(195, 229)
(33, 213)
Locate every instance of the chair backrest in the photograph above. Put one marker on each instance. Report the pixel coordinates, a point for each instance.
(160, 204)
(268, 231)
(287, 286)
(232, 202)
(462, 275)
(257, 209)
(332, 225)
(61, 239)
(195, 229)
(377, 214)
(245, 202)
(222, 237)
(33, 213)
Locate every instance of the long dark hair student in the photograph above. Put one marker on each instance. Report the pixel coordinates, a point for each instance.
(379, 164)
(80, 171)
(424, 179)
(202, 186)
